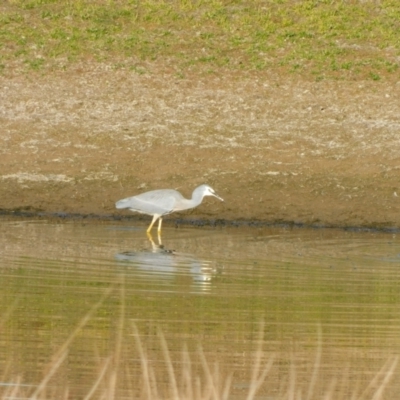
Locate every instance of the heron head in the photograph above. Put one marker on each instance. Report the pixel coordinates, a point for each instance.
(209, 191)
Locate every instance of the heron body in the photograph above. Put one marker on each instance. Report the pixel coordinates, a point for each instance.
(159, 203)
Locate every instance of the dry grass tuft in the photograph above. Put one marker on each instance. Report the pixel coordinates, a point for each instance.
(209, 383)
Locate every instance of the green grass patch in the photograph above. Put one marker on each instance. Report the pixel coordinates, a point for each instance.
(325, 37)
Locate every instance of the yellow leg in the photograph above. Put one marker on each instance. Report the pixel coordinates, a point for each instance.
(152, 223)
(159, 225)
(159, 232)
(160, 245)
(153, 245)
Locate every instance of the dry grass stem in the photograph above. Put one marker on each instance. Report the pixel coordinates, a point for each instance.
(258, 377)
(99, 379)
(387, 375)
(317, 365)
(119, 339)
(210, 383)
(170, 368)
(54, 367)
(331, 388)
(146, 374)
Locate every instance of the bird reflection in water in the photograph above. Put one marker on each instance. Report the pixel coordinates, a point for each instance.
(159, 262)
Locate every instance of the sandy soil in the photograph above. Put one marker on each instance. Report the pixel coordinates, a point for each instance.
(278, 149)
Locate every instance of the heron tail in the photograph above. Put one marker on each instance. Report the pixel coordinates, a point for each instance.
(124, 203)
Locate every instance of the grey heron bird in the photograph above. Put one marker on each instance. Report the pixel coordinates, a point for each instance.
(159, 203)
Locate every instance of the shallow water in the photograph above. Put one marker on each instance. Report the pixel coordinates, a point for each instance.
(327, 304)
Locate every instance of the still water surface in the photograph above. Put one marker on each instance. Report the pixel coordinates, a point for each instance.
(327, 304)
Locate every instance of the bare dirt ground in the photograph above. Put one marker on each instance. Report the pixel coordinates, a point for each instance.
(278, 149)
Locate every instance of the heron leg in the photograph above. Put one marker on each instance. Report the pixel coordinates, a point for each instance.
(159, 232)
(152, 223)
(153, 245)
(159, 225)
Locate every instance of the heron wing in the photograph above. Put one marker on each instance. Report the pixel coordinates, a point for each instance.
(159, 202)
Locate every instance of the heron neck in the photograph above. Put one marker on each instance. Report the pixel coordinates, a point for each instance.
(197, 198)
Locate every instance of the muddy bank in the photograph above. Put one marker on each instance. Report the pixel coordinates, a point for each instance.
(277, 149)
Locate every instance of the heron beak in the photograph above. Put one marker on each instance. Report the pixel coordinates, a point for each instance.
(219, 198)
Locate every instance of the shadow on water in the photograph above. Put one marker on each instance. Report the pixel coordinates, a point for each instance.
(97, 310)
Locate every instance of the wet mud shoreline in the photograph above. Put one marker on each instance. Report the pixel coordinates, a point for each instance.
(172, 222)
(279, 150)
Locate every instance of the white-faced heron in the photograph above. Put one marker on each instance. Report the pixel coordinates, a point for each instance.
(163, 202)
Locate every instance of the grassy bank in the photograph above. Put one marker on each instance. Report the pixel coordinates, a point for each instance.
(317, 39)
